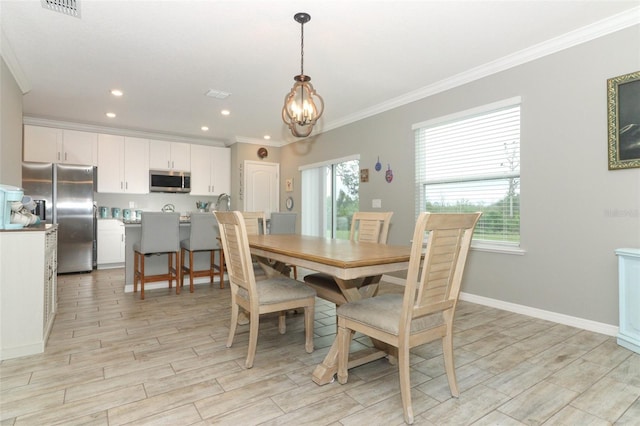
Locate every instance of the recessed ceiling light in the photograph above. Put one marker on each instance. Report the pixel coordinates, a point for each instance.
(204, 128)
(116, 92)
(111, 114)
(225, 112)
(267, 137)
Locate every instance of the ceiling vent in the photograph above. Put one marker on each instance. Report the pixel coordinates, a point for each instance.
(68, 7)
(217, 94)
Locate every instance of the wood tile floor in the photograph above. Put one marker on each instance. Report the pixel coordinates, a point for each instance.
(113, 359)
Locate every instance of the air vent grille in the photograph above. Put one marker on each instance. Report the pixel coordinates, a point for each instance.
(217, 94)
(68, 7)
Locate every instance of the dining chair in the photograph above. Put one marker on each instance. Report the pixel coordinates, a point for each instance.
(284, 223)
(365, 227)
(277, 294)
(160, 234)
(425, 311)
(203, 237)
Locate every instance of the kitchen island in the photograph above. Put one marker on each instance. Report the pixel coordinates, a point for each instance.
(157, 264)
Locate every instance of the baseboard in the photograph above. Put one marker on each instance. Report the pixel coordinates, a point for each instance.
(585, 324)
(128, 288)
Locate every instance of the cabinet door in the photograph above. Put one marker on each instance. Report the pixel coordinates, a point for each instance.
(78, 147)
(159, 155)
(42, 144)
(221, 170)
(201, 170)
(110, 161)
(110, 241)
(181, 156)
(136, 165)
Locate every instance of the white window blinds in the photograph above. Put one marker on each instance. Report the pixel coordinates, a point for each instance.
(471, 162)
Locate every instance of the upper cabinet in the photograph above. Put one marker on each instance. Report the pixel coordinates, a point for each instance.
(49, 145)
(210, 170)
(165, 155)
(123, 164)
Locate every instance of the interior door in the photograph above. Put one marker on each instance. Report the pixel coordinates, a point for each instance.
(261, 187)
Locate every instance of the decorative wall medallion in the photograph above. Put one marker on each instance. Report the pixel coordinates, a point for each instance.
(389, 174)
(289, 203)
(378, 165)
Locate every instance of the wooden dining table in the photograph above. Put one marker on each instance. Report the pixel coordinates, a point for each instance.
(356, 266)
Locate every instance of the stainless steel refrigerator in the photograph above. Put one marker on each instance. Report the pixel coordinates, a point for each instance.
(64, 195)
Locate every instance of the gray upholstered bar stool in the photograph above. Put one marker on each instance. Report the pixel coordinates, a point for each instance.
(203, 237)
(284, 223)
(160, 235)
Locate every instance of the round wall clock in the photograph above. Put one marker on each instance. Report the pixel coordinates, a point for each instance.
(289, 203)
(262, 152)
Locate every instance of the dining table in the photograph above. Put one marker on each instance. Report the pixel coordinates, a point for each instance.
(356, 267)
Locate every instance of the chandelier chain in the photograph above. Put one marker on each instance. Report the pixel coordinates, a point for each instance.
(302, 49)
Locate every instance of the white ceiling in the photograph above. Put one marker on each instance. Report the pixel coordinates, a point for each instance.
(363, 56)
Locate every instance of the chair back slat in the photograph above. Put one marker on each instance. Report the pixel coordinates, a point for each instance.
(237, 255)
(370, 226)
(435, 276)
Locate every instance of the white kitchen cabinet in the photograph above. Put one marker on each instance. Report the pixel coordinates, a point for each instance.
(28, 289)
(50, 145)
(210, 170)
(111, 243)
(123, 165)
(164, 155)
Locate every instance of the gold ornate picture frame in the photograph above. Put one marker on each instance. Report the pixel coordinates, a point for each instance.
(623, 119)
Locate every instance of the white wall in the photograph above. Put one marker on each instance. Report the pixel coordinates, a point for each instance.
(10, 128)
(569, 198)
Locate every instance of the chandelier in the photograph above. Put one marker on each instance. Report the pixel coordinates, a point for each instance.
(302, 105)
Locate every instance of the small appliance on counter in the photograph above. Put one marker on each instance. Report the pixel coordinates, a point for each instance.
(104, 212)
(115, 212)
(203, 206)
(8, 195)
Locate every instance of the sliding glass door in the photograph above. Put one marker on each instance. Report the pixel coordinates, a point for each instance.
(330, 197)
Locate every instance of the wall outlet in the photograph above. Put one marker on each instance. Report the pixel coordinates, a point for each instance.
(132, 204)
(376, 203)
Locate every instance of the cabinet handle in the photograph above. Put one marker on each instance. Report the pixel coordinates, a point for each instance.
(121, 187)
(58, 155)
(172, 165)
(126, 185)
(65, 156)
(168, 164)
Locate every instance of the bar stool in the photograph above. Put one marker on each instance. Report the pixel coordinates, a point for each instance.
(160, 235)
(284, 223)
(203, 237)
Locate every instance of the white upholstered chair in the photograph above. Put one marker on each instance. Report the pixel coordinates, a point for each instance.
(365, 226)
(425, 312)
(277, 294)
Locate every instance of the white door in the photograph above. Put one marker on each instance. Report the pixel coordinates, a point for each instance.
(261, 187)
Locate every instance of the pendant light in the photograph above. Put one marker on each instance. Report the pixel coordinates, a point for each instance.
(302, 105)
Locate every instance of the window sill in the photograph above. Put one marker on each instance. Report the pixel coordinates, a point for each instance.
(498, 248)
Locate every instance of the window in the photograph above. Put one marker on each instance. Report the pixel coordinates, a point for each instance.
(330, 197)
(471, 162)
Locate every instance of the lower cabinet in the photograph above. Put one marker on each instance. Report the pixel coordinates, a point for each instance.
(629, 294)
(111, 243)
(28, 289)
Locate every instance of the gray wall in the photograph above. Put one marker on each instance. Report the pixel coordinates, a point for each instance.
(575, 211)
(10, 128)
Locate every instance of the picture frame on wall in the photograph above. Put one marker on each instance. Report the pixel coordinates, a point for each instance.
(623, 119)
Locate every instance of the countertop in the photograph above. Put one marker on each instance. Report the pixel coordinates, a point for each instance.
(37, 228)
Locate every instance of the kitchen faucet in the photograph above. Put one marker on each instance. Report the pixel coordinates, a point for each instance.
(226, 198)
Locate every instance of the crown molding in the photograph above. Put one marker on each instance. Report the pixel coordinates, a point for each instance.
(47, 122)
(6, 51)
(256, 141)
(598, 29)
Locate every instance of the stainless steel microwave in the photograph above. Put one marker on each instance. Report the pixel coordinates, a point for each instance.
(169, 181)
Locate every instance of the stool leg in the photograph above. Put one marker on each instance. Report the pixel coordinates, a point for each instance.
(221, 258)
(181, 272)
(135, 272)
(212, 271)
(191, 271)
(141, 276)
